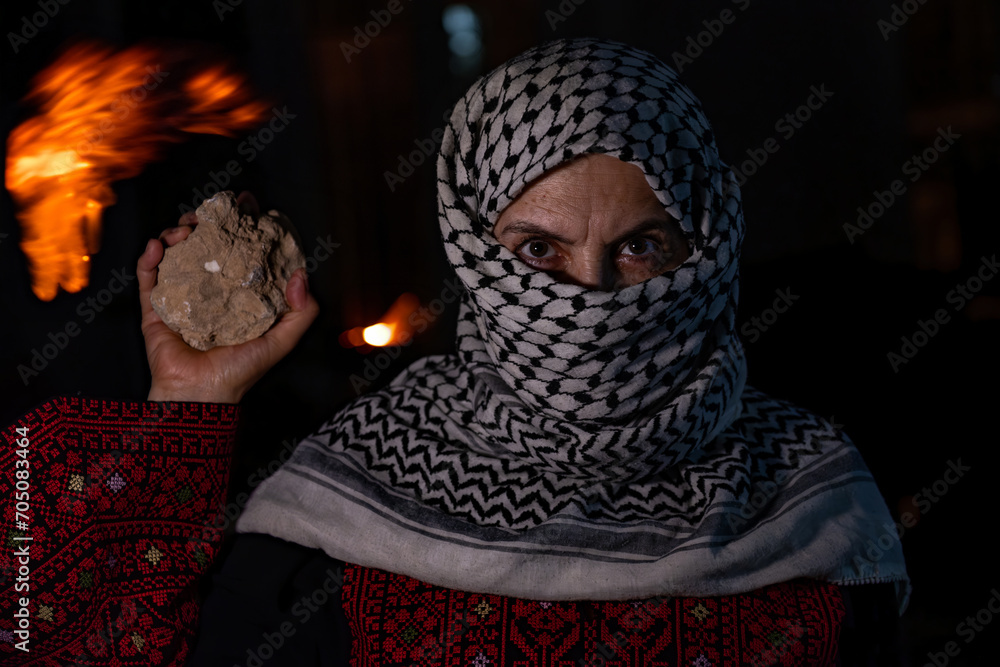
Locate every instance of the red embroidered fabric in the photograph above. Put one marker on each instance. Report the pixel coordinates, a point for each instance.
(397, 620)
(122, 502)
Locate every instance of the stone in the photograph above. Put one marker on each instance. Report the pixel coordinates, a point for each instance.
(225, 283)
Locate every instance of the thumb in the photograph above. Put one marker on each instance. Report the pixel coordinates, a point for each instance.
(287, 332)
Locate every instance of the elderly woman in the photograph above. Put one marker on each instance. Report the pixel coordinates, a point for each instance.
(592, 443)
(588, 479)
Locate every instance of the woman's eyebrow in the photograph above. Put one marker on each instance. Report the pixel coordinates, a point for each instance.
(650, 225)
(528, 227)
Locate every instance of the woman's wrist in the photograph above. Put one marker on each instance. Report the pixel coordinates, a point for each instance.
(162, 393)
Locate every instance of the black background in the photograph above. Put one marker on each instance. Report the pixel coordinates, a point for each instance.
(892, 91)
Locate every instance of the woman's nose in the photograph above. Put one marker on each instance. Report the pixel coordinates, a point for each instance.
(597, 273)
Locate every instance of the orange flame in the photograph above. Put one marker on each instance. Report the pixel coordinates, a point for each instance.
(393, 329)
(102, 115)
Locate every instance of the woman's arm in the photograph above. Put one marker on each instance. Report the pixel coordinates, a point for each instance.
(121, 511)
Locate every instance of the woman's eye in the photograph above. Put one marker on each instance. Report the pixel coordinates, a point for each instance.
(639, 247)
(537, 250)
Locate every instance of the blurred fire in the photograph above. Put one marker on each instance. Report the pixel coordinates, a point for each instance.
(102, 116)
(393, 329)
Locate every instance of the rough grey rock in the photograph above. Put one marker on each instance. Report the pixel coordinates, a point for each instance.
(225, 283)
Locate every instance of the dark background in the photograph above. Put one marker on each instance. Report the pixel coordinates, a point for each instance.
(892, 91)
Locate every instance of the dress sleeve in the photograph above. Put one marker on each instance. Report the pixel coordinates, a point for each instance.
(112, 512)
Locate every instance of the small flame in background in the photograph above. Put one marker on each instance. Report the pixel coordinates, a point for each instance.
(102, 116)
(393, 329)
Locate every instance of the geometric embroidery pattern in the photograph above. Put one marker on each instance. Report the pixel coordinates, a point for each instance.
(123, 499)
(398, 620)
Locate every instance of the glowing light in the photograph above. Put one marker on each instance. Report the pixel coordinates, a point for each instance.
(394, 328)
(378, 335)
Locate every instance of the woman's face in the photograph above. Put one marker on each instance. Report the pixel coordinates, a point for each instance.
(593, 221)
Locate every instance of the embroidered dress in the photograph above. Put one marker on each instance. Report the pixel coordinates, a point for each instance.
(123, 502)
(398, 620)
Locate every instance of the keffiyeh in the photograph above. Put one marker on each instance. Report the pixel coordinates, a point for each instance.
(585, 444)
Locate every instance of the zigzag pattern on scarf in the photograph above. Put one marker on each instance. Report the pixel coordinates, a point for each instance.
(392, 443)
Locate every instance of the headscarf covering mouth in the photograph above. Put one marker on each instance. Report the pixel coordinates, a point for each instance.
(568, 351)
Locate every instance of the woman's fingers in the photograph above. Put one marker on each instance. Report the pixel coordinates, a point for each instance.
(297, 290)
(175, 235)
(145, 271)
(285, 334)
(190, 219)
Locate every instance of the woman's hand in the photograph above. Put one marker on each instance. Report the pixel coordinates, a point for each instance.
(223, 374)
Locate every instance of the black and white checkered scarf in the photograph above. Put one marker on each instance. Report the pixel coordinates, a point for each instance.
(585, 444)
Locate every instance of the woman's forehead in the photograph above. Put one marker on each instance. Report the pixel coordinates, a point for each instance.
(592, 183)
(591, 179)
(526, 120)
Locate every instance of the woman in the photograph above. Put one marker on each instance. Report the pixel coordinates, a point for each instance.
(593, 438)
(588, 479)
